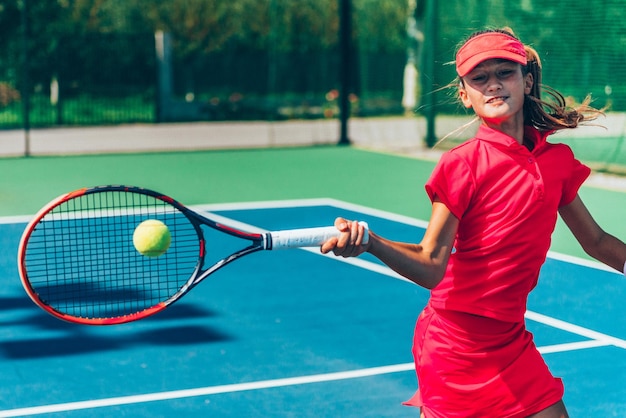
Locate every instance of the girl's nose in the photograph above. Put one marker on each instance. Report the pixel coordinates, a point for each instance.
(493, 83)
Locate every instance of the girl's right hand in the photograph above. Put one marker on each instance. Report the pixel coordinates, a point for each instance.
(349, 243)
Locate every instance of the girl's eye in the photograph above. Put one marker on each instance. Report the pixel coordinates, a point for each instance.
(479, 78)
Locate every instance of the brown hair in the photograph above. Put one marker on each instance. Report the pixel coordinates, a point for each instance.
(552, 114)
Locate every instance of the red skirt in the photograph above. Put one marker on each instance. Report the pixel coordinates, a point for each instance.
(472, 366)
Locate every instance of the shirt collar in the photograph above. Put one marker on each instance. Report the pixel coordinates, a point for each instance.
(492, 135)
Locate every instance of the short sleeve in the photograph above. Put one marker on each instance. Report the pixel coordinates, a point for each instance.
(453, 183)
(577, 176)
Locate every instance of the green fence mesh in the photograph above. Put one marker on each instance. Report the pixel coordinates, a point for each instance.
(282, 60)
(581, 45)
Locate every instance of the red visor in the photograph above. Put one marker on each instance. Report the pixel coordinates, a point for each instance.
(487, 46)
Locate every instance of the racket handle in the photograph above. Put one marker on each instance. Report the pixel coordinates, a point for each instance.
(307, 237)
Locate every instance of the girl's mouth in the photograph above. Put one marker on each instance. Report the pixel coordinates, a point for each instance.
(497, 99)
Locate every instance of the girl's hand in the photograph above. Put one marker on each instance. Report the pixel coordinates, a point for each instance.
(349, 244)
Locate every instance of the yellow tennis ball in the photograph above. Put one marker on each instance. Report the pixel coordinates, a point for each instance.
(152, 238)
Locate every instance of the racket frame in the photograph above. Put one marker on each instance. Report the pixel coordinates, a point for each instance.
(258, 241)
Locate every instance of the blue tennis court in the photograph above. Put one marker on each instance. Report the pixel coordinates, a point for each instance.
(289, 334)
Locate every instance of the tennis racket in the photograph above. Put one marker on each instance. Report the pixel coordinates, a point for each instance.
(77, 260)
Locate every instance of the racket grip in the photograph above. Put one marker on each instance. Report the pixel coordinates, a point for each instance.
(307, 237)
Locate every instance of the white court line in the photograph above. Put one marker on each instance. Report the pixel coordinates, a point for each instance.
(596, 339)
(211, 390)
(575, 329)
(278, 204)
(16, 219)
(580, 345)
(602, 339)
(240, 387)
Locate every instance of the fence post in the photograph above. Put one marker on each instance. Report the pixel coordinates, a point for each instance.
(345, 51)
(428, 75)
(25, 82)
(163, 48)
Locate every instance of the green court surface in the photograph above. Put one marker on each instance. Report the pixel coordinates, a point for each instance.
(388, 182)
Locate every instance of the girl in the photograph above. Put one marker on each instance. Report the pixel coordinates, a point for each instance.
(495, 201)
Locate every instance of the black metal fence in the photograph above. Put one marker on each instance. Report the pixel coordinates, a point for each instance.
(87, 79)
(100, 79)
(284, 69)
(111, 78)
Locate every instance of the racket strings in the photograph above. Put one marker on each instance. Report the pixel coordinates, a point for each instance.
(81, 260)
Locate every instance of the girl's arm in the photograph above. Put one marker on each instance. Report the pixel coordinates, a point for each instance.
(424, 263)
(593, 239)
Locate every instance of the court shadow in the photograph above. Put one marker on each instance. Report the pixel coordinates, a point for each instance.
(41, 320)
(170, 327)
(14, 302)
(83, 343)
(57, 346)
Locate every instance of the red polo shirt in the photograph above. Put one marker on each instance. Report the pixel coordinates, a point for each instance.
(506, 198)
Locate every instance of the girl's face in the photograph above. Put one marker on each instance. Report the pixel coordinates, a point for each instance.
(495, 89)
